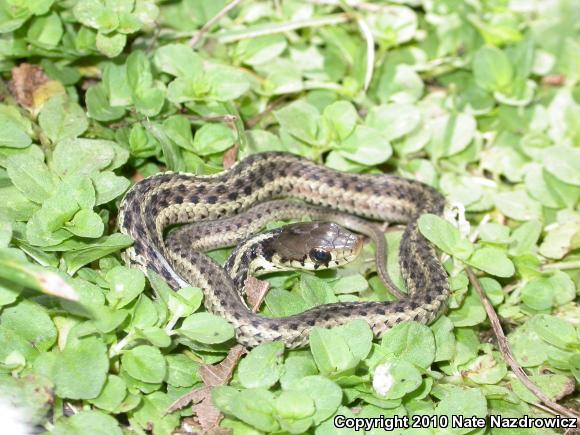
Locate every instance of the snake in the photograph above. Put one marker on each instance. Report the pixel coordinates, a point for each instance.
(202, 236)
(156, 204)
(305, 245)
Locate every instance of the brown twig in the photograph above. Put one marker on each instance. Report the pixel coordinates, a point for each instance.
(273, 105)
(505, 350)
(205, 28)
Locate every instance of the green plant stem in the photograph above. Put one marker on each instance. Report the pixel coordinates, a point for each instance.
(505, 350)
(563, 265)
(272, 29)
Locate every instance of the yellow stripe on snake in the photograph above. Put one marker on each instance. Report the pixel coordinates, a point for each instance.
(156, 203)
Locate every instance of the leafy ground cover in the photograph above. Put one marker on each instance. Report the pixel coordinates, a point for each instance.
(478, 98)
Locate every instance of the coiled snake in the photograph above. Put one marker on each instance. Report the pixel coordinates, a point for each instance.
(156, 203)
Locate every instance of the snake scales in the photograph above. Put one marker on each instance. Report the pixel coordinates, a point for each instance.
(156, 203)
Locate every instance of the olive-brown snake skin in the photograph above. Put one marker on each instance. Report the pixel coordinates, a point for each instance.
(154, 204)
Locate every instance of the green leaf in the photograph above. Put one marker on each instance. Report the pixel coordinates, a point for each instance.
(350, 284)
(486, 369)
(331, 351)
(444, 339)
(444, 235)
(152, 412)
(283, 303)
(315, 291)
(262, 367)
(86, 223)
(112, 395)
(15, 131)
(171, 152)
(14, 204)
(255, 407)
(517, 204)
(109, 186)
(537, 294)
(326, 394)
(182, 371)
(212, 138)
(125, 285)
(295, 410)
(493, 261)
(296, 368)
(79, 256)
(206, 328)
(554, 330)
(15, 269)
(563, 162)
(494, 233)
(147, 97)
(300, 119)
(260, 50)
(145, 363)
(111, 45)
(358, 336)
(82, 156)
(395, 377)
(46, 31)
(45, 227)
(342, 117)
(470, 313)
(524, 238)
(492, 289)
(116, 84)
(366, 146)
(31, 322)
(98, 106)
(73, 366)
(185, 301)
(226, 83)
(451, 134)
(61, 118)
(410, 341)
(399, 84)
(87, 423)
(553, 385)
(31, 393)
(89, 12)
(156, 336)
(178, 60)
(492, 69)
(462, 401)
(178, 129)
(560, 240)
(394, 120)
(31, 176)
(6, 233)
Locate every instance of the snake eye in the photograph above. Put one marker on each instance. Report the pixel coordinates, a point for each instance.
(320, 256)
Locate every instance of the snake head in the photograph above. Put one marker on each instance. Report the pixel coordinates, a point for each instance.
(313, 246)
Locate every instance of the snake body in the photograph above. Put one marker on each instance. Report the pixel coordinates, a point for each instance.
(156, 203)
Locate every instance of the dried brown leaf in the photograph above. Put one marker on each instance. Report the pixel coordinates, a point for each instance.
(554, 80)
(256, 292)
(194, 397)
(208, 416)
(230, 156)
(220, 374)
(31, 87)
